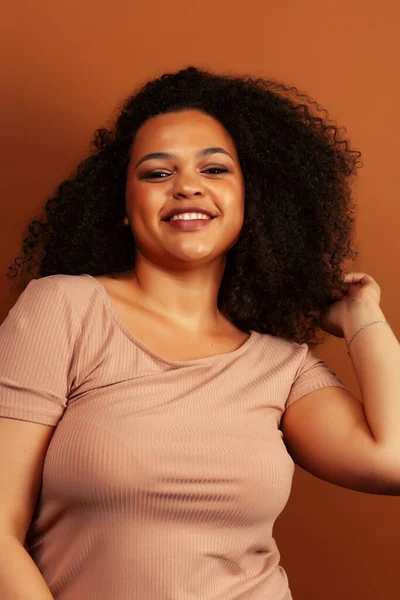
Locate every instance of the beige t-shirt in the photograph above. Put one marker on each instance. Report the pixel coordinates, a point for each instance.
(163, 479)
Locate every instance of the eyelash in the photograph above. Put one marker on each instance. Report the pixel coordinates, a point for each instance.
(151, 175)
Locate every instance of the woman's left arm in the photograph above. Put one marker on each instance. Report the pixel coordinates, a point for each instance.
(351, 442)
(375, 353)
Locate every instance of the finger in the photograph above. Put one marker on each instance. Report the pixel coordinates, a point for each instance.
(353, 276)
(357, 278)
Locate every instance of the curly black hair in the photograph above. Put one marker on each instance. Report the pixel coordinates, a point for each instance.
(299, 214)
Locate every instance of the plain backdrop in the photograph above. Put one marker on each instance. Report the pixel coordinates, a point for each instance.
(66, 66)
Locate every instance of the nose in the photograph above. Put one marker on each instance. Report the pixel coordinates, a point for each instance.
(187, 185)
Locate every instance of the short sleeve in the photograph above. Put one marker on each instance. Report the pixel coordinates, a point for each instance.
(311, 375)
(36, 348)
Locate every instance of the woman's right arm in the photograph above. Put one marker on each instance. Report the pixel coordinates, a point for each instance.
(23, 447)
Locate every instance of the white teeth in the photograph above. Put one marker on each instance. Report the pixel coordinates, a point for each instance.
(187, 216)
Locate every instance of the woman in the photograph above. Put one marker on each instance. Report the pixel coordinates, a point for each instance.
(150, 391)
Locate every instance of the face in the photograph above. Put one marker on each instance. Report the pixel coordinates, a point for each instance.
(187, 175)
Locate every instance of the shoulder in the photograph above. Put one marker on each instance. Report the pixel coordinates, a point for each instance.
(284, 350)
(61, 281)
(68, 287)
(58, 296)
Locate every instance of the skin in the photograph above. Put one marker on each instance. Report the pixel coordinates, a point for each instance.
(178, 273)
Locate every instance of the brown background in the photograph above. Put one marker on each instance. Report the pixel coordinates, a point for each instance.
(65, 66)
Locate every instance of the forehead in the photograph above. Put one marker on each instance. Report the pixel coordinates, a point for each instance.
(183, 129)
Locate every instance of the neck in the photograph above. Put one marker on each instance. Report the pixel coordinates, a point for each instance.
(187, 297)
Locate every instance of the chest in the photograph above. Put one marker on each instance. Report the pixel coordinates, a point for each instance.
(163, 338)
(170, 456)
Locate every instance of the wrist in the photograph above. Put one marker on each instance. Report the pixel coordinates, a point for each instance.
(358, 316)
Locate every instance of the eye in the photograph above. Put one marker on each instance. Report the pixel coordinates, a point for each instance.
(163, 175)
(219, 169)
(154, 175)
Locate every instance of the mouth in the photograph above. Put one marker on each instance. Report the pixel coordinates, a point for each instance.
(188, 224)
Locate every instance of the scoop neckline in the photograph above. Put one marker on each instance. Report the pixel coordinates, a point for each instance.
(195, 361)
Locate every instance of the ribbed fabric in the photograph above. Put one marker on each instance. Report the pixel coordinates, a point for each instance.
(163, 479)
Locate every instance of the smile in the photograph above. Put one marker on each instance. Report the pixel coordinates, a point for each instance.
(189, 224)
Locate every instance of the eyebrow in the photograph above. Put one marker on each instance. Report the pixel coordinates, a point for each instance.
(204, 152)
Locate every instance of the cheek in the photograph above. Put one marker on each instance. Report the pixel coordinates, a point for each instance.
(234, 202)
(144, 202)
(229, 193)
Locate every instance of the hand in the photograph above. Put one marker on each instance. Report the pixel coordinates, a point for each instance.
(360, 290)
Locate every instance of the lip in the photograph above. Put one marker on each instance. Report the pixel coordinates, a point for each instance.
(189, 224)
(188, 209)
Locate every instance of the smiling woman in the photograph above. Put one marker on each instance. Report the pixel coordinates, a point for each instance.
(166, 338)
